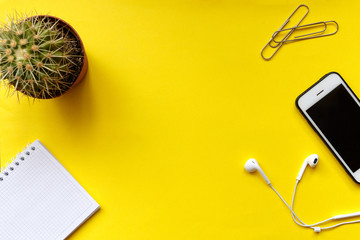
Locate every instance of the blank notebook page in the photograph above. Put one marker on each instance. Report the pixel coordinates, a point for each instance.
(39, 199)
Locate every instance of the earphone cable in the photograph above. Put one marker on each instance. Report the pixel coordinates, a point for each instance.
(311, 225)
(292, 212)
(301, 222)
(343, 223)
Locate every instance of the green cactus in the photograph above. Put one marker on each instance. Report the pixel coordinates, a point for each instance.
(38, 56)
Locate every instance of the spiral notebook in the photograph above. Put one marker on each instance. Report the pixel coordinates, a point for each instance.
(39, 199)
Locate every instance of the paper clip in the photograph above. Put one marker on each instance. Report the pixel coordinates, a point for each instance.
(302, 37)
(279, 44)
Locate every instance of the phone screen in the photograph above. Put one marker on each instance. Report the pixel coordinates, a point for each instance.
(337, 115)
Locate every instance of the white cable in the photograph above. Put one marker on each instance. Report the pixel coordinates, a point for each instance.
(292, 204)
(302, 223)
(317, 229)
(292, 212)
(337, 225)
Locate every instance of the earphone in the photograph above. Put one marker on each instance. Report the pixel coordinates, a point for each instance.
(312, 161)
(252, 165)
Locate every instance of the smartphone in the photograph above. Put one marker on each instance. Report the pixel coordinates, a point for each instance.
(333, 111)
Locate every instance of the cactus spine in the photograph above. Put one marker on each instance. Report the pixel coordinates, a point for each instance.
(38, 56)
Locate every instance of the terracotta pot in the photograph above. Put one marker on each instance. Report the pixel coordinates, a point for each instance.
(84, 66)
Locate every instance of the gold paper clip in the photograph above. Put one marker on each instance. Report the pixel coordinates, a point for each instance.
(302, 37)
(279, 44)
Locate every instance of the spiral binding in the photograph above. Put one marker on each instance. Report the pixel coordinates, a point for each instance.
(9, 167)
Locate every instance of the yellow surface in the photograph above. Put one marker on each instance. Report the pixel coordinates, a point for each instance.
(176, 99)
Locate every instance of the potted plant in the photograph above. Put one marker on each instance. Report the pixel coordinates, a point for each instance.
(41, 56)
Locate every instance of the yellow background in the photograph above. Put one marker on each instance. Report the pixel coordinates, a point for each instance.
(175, 100)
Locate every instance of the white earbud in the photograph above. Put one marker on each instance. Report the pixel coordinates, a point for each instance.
(252, 165)
(312, 160)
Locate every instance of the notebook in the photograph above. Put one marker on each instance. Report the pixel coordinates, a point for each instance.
(39, 199)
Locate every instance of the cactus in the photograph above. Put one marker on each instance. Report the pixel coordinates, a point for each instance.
(39, 56)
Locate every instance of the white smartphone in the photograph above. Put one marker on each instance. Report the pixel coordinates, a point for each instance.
(333, 111)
